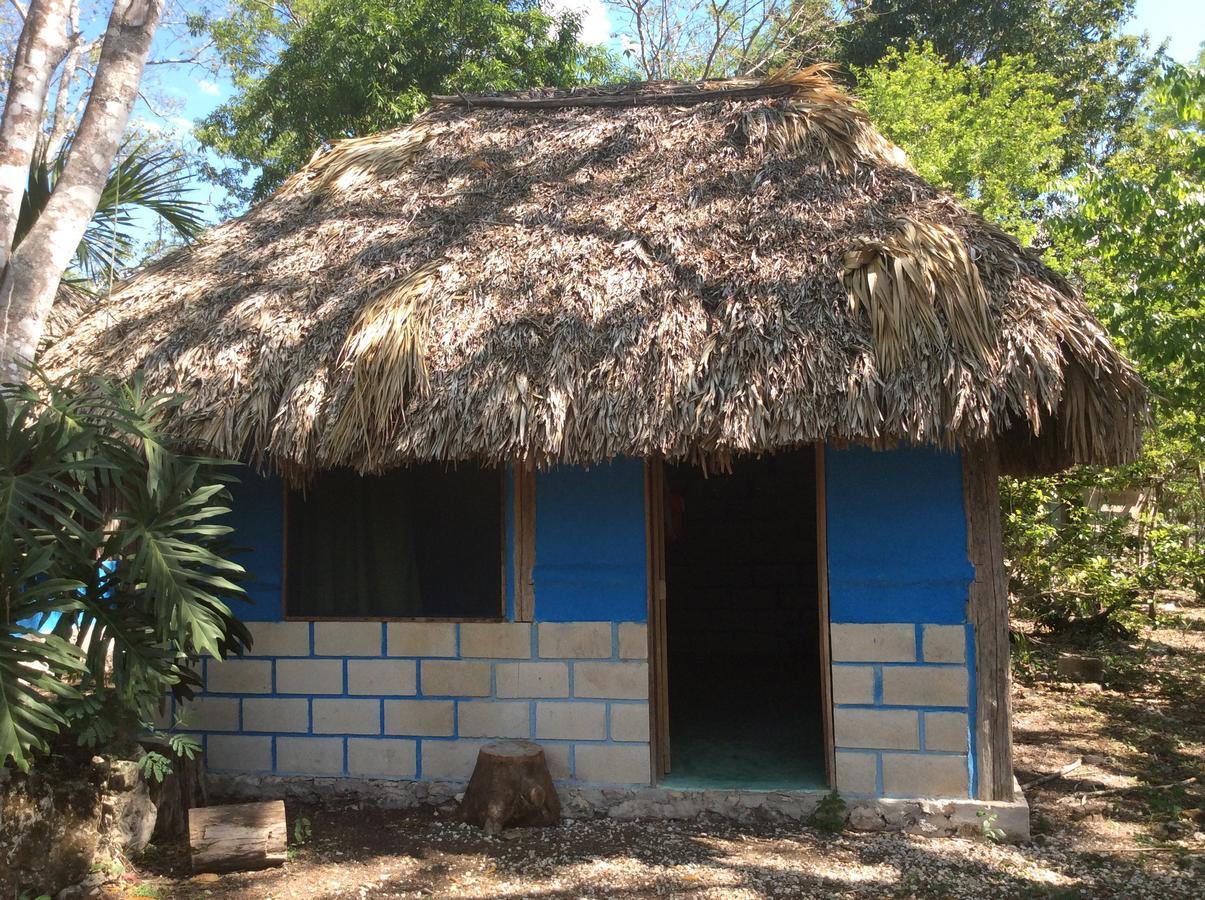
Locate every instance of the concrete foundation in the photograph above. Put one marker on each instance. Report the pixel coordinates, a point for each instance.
(930, 817)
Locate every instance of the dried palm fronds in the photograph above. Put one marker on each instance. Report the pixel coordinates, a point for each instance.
(903, 281)
(612, 274)
(348, 162)
(386, 354)
(818, 114)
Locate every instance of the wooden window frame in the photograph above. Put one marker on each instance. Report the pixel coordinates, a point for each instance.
(502, 598)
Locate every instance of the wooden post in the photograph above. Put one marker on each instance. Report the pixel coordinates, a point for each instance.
(826, 652)
(525, 541)
(654, 481)
(989, 617)
(238, 837)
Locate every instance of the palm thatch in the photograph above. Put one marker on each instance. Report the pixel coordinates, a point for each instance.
(688, 270)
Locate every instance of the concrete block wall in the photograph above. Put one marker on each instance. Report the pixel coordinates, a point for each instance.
(416, 700)
(902, 696)
(902, 650)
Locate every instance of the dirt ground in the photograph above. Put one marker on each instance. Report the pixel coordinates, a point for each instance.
(1140, 731)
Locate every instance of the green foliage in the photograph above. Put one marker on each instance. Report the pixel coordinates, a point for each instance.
(144, 178)
(988, 827)
(829, 814)
(1136, 238)
(360, 66)
(1095, 67)
(303, 830)
(1133, 234)
(106, 526)
(988, 132)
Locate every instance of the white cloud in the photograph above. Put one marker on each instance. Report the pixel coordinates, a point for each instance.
(208, 87)
(596, 27)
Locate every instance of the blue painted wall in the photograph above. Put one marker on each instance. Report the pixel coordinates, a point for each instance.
(258, 519)
(897, 545)
(590, 544)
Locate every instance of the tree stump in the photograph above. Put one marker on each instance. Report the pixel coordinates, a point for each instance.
(238, 837)
(511, 785)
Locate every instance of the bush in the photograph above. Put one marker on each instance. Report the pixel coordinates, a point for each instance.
(114, 576)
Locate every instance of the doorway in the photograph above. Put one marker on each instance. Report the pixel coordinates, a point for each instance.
(740, 680)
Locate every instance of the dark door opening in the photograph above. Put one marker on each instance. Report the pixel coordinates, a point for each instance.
(742, 624)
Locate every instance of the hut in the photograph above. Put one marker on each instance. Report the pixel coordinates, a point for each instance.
(660, 425)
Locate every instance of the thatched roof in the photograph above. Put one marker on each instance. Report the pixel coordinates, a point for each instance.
(694, 271)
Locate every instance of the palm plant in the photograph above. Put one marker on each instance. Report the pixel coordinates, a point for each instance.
(146, 180)
(113, 571)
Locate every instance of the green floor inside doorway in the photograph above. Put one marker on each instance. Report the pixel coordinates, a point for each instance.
(743, 743)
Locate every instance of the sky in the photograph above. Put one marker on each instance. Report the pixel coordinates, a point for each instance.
(186, 96)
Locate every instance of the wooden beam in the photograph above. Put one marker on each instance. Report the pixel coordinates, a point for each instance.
(239, 837)
(525, 542)
(623, 98)
(989, 617)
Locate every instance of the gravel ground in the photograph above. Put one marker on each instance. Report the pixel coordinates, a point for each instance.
(368, 853)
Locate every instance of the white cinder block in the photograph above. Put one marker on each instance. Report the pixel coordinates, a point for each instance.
(309, 676)
(347, 716)
(856, 772)
(633, 640)
(436, 718)
(236, 753)
(612, 763)
(612, 681)
(557, 757)
(584, 721)
(451, 760)
(943, 731)
(211, 714)
(494, 719)
(454, 678)
(495, 640)
(925, 686)
(381, 757)
(882, 729)
(382, 676)
(873, 643)
(532, 679)
(239, 676)
(276, 714)
(280, 638)
(945, 643)
(309, 756)
(574, 640)
(347, 638)
(629, 721)
(853, 684)
(925, 775)
(420, 638)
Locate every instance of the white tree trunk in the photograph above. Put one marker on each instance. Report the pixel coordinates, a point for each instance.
(40, 48)
(29, 284)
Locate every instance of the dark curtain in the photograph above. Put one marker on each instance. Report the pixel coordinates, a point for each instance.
(417, 542)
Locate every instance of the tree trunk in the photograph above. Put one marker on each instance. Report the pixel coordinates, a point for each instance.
(239, 837)
(511, 785)
(36, 267)
(182, 789)
(41, 46)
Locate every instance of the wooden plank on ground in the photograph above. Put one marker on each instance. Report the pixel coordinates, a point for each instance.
(238, 837)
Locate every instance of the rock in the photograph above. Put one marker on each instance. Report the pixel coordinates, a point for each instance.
(864, 818)
(123, 775)
(49, 832)
(1081, 668)
(134, 818)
